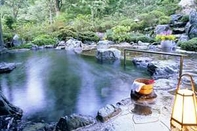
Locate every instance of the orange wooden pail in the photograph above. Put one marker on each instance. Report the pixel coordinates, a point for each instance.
(147, 88)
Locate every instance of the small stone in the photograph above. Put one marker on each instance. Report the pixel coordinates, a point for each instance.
(108, 112)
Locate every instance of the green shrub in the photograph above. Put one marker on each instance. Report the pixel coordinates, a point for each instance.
(7, 37)
(120, 33)
(66, 32)
(43, 40)
(148, 19)
(164, 20)
(140, 37)
(102, 26)
(190, 45)
(88, 35)
(185, 18)
(126, 22)
(168, 8)
(157, 13)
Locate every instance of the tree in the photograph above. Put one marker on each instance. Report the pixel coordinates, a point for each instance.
(58, 5)
(1, 35)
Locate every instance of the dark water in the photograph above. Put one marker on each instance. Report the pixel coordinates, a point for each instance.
(48, 84)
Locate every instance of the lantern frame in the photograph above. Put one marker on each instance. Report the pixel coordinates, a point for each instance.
(180, 94)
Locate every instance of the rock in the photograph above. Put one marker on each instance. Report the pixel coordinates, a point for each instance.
(178, 30)
(74, 121)
(39, 126)
(108, 54)
(62, 43)
(108, 112)
(3, 50)
(187, 6)
(141, 61)
(163, 69)
(7, 67)
(183, 37)
(193, 17)
(100, 35)
(48, 46)
(34, 47)
(187, 28)
(72, 44)
(161, 28)
(6, 108)
(104, 44)
(175, 17)
(193, 31)
(16, 41)
(8, 123)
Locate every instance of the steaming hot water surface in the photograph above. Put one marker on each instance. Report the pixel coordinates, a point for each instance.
(49, 84)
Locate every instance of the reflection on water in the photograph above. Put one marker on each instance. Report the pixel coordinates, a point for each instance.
(49, 84)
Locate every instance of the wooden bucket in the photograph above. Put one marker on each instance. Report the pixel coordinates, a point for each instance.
(147, 88)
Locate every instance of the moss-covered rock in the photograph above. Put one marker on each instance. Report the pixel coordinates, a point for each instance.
(190, 45)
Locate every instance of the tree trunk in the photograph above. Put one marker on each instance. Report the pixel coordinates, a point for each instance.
(1, 35)
(58, 5)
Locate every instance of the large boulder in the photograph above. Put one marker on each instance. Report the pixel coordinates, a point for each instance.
(163, 69)
(7, 67)
(187, 6)
(193, 17)
(73, 122)
(161, 28)
(193, 31)
(71, 45)
(16, 40)
(108, 54)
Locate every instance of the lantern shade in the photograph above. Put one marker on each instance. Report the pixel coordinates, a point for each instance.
(184, 110)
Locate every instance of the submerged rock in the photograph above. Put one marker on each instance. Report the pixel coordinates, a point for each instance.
(74, 121)
(39, 126)
(7, 67)
(141, 61)
(6, 108)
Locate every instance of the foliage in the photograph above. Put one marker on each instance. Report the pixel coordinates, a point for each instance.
(88, 35)
(81, 18)
(164, 20)
(66, 32)
(162, 37)
(140, 37)
(27, 46)
(185, 18)
(9, 22)
(120, 33)
(43, 40)
(166, 35)
(8, 37)
(190, 45)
